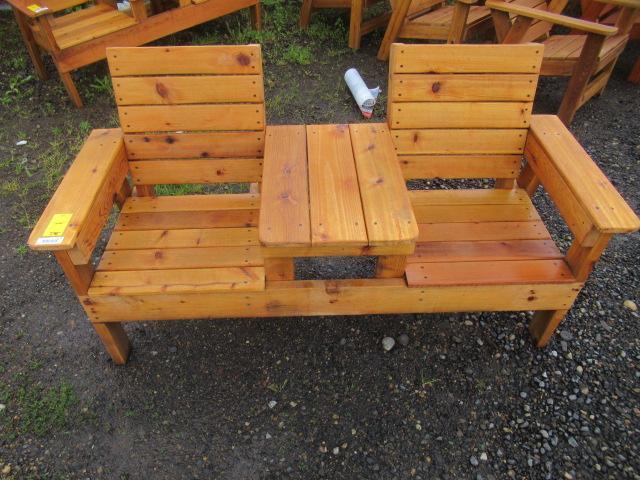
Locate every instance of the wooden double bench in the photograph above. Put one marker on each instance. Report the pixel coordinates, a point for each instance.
(195, 115)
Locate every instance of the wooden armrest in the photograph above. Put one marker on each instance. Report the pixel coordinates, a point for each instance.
(46, 6)
(563, 20)
(598, 198)
(96, 172)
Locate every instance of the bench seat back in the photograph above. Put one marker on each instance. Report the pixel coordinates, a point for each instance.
(191, 114)
(461, 111)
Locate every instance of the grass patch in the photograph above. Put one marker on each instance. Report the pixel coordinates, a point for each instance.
(298, 55)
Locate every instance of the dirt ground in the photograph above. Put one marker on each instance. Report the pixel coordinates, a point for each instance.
(468, 397)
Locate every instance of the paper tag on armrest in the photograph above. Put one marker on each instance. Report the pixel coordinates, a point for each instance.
(35, 8)
(57, 225)
(49, 240)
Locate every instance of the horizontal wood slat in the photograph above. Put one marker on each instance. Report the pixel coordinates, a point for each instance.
(192, 203)
(482, 231)
(220, 170)
(217, 59)
(178, 220)
(192, 117)
(463, 87)
(474, 213)
(170, 258)
(191, 145)
(489, 273)
(198, 280)
(480, 196)
(188, 89)
(459, 166)
(469, 251)
(459, 115)
(525, 58)
(462, 141)
(193, 237)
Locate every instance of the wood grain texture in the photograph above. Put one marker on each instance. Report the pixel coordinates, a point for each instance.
(459, 166)
(192, 145)
(470, 251)
(387, 210)
(459, 141)
(92, 168)
(191, 237)
(209, 59)
(284, 211)
(227, 116)
(482, 231)
(606, 208)
(335, 206)
(180, 171)
(173, 90)
(465, 58)
(463, 87)
(181, 220)
(133, 282)
(489, 273)
(192, 203)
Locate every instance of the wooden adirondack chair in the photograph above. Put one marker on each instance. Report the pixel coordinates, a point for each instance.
(433, 20)
(587, 59)
(608, 15)
(81, 37)
(357, 27)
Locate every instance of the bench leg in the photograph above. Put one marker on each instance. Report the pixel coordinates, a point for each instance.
(115, 340)
(355, 24)
(391, 266)
(278, 269)
(305, 13)
(32, 47)
(543, 324)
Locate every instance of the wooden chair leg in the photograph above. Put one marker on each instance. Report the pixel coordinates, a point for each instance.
(543, 324)
(256, 16)
(400, 9)
(391, 266)
(305, 13)
(458, 23)
(115, 340)
(634, 76)
(582, 73)
(68, 83)
(355, 24)
(32, 47)
(145, 191)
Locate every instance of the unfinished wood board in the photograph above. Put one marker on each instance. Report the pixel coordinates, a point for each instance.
(217, 59)
(387, 209)
(170, 258)
(135, 282)
(192, 145)
(334, 195)
(488, 273)
(191, 237)
(284, 212)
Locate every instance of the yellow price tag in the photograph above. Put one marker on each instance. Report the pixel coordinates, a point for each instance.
(35, 8)
(57, 225)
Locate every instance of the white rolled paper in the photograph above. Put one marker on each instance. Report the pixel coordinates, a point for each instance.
(364, 96)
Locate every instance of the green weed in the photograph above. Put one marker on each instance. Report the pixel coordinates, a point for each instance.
(22, 250)
(102, 85)
(43, 411)
(184, 189)
(298, 55)
(17, 89)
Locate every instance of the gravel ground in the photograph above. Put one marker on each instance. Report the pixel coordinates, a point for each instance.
(467, 397)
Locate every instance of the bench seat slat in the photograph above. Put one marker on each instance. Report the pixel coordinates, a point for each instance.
(482, 231)
(484, 251)
(177, 258)
(201, 280)
(192, 237)
(489, 273)
(192, 203)
(179, 220)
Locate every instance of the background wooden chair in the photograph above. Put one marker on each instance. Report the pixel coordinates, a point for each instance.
(608, 15)
(587, 59)
(81, 37)
(357, 27)
(433, 20)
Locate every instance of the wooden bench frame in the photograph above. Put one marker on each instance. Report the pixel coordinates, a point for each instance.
(590, 205)
(37, 31)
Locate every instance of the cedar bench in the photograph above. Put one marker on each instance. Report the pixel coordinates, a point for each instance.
(196, 115)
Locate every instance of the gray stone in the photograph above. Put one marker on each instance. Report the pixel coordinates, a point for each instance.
(403, 339)
(388, 343)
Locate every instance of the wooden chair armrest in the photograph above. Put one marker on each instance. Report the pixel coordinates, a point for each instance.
(46, 6)
(555, 152)
(563, 20)
(85, 193)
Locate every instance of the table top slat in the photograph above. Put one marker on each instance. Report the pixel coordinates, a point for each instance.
(336, 209)
(385, 201)
(284, 212)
